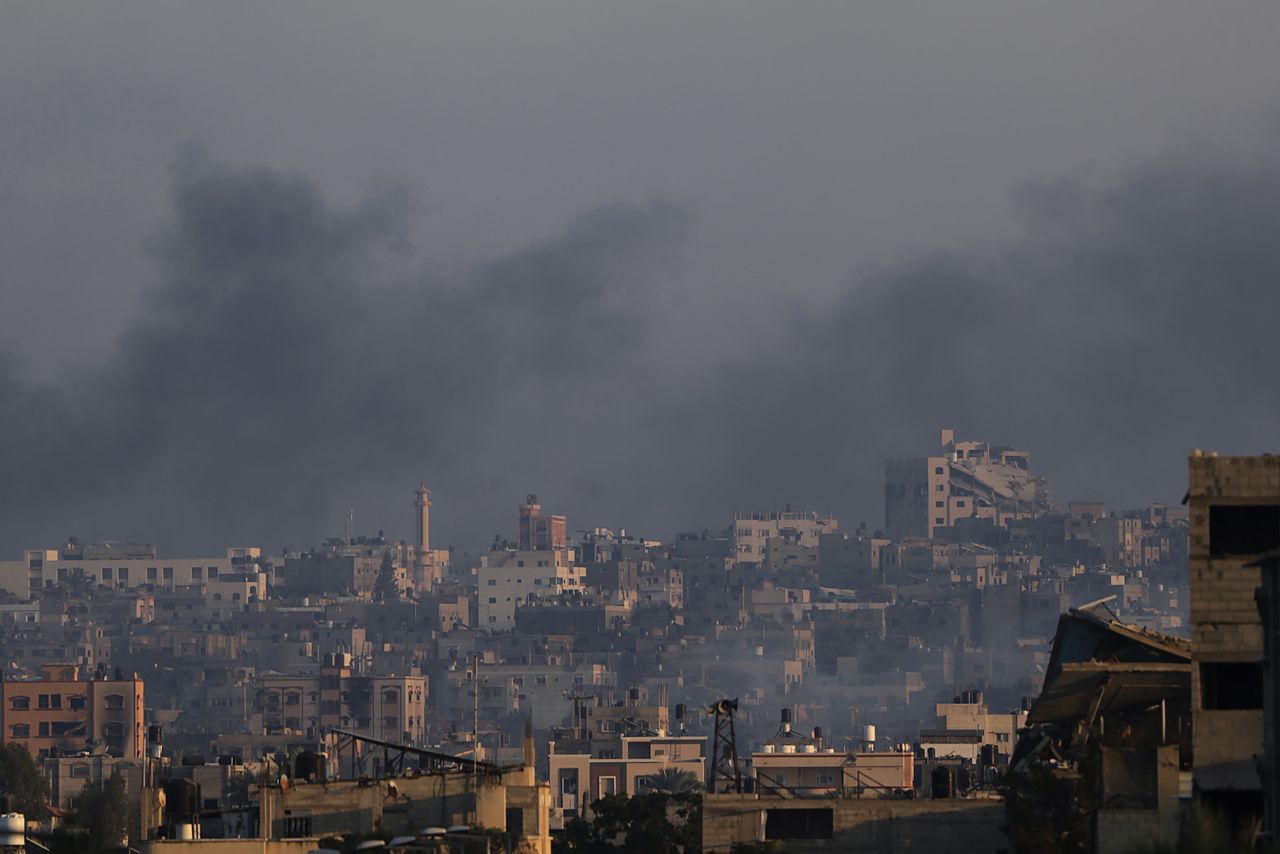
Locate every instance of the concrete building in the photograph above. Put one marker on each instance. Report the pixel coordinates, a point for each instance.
(508, 579)
(1269, 609)
(963, 826)
(965, 726)
(578, 779)
(816, 771)
(120, 565)
(306, 705)
(753, 530)
(537, 532)
(60, 713)
(1235, 518)
(965, 480)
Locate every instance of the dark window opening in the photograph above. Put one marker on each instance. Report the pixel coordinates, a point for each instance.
(1244, 529)
(799, 824)
(1230, 685)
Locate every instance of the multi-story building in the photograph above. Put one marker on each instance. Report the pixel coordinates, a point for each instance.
(965, 726)
(63, 714)
(392, 708)
(1235, 518)
(753, 530)
(537, 532)
(578, 779)
(508, 579)
(121, 565)
(966, 480)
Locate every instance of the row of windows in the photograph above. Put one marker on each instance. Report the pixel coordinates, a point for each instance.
(54, 701)
(110, 573)
(59, 729)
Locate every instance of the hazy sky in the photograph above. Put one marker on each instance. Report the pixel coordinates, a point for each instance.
(265, 262)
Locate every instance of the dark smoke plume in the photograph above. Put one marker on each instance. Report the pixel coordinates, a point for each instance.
(1126, 326)
(282, 366)
(286, 368)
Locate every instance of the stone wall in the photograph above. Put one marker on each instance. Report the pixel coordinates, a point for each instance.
(871, 826)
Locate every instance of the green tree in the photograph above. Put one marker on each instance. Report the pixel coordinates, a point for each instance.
(102, 812)
(385, 588)
(22, 781)
(656, 823)
(673, 781)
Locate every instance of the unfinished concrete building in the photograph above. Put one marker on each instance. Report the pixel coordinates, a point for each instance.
(1235, 518)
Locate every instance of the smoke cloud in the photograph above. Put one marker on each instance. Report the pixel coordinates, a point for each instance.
(1128, 324)
(294, 359)
(285, 362)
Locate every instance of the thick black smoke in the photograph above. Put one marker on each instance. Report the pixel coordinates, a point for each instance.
(286, 368)
(283, 369)
(1126, 326)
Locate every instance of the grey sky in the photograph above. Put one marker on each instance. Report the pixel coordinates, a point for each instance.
(805, 152)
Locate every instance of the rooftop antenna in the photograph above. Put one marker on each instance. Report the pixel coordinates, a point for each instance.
(347, 519)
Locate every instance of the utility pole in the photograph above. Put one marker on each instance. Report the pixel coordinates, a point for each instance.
(475, 730)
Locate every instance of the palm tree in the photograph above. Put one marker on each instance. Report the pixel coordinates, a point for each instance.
(675, 781)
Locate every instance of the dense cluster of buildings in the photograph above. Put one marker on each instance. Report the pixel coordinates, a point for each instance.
(906, 664)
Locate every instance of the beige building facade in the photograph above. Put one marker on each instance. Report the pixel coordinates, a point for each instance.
(63, 714)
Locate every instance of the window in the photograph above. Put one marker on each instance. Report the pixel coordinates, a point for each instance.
(123, 575)
(937, 470)
(391, 696)
(939, 521)
(942, 487)
(19, 703)
(826, 780)
(493, 600)
(1243, 530)
(799, 823)
(292, 698)
(106, 573)
(197, 573)
(19, 730)
(960, 503)
(939, 504)
(168, 573)
(44, 729)
(115, 701)
(493, 582)
(608, 786)
(213, 573)
(390, 722)
(80, 769)
(1231, 685)
(151, 573)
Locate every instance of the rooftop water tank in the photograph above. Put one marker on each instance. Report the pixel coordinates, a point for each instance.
(13, 830)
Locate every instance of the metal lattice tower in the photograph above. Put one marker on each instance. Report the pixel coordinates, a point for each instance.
(725, 774)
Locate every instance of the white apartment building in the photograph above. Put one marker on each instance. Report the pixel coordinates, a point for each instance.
(126, 567)
(508, 579)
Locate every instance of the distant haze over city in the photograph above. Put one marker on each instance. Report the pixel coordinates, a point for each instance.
(300, 267)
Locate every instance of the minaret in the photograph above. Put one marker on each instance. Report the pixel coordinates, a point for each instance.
(424, 520)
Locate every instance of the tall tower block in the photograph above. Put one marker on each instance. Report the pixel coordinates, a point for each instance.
(528, 524)
(423, 503)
